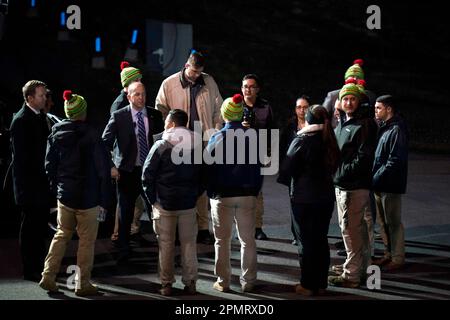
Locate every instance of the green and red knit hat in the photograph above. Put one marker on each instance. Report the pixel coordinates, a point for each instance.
(232, 108)
(355, 71)
(352, 87)
(74, 105)
(128, 74)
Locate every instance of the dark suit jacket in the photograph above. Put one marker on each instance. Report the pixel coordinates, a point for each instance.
(29, 134)
(120, 135)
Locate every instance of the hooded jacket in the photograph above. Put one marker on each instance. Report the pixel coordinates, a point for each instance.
(77, 165)
(390, 168)
(170, 176)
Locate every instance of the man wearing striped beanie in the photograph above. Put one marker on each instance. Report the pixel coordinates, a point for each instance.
(128, 75)
(356, 137)
(74, 106)
(354, 73)
(233, 188)
(77, 165)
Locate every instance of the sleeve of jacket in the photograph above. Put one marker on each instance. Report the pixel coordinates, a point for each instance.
(109, 136)
(292, 162)
(150, 172)
(397, 146)
(217, 103)
(18, 144)
(51, 163)
(102, 166)
(161, 103)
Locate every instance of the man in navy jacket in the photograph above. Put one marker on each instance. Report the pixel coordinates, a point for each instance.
(390, 171)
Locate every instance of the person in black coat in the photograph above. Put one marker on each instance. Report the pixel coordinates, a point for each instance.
(29, 133)
(77, 164)
(129, 133)
(308, 169)
(390, 171)
(173, 183)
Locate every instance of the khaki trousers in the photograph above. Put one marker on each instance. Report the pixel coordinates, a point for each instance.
(85, 223)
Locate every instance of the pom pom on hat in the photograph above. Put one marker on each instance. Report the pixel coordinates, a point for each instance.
(237, 98)
(128, 74)
(359, 62)
(350, 80)
(355, 71)
(124, 64)
(74, 105)
(232, 108)
(67, 95)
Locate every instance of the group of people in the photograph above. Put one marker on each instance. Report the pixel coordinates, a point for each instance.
(367, 152)
(139, 147)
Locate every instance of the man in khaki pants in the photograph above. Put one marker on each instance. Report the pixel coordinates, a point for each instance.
(78, 167)
(356, 137)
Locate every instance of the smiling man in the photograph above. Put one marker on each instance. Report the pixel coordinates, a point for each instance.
(356, 137)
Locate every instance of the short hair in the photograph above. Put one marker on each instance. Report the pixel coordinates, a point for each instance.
(196, 59)
(388, 101)
(29, 89)
(252, 76)
(179, 117)
(304, 97)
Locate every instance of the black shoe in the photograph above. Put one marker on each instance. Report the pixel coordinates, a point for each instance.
(260, 235)
(339, 245)
(341, 253)
(205, 237)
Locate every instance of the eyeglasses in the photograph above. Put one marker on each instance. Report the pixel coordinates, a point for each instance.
(250, 87)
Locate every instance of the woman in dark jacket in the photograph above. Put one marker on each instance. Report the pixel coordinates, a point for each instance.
(295, 123)
(310, 162)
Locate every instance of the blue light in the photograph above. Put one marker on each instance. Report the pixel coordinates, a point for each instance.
(98, 44)
(63, 19)
(134, 36)
(33, 3)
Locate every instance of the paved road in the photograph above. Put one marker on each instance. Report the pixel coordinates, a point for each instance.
(426, 216)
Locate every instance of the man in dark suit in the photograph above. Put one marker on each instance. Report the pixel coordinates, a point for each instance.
(130, 133)
(29, 132)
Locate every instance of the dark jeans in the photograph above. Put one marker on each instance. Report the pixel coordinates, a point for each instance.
(311, 222)
(129, 187)
(32, 239)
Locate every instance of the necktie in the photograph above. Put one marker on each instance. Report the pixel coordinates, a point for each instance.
(143, 147)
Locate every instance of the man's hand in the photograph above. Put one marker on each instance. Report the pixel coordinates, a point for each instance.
(115, 173)
(246, 124)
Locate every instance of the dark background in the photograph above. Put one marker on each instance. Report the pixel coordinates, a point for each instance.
(295, 47)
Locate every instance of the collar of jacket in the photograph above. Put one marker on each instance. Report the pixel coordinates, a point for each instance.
(259, 103)
(185, 82)
(233, 125)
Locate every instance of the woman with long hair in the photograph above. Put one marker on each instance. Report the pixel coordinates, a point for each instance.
(308, 168)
